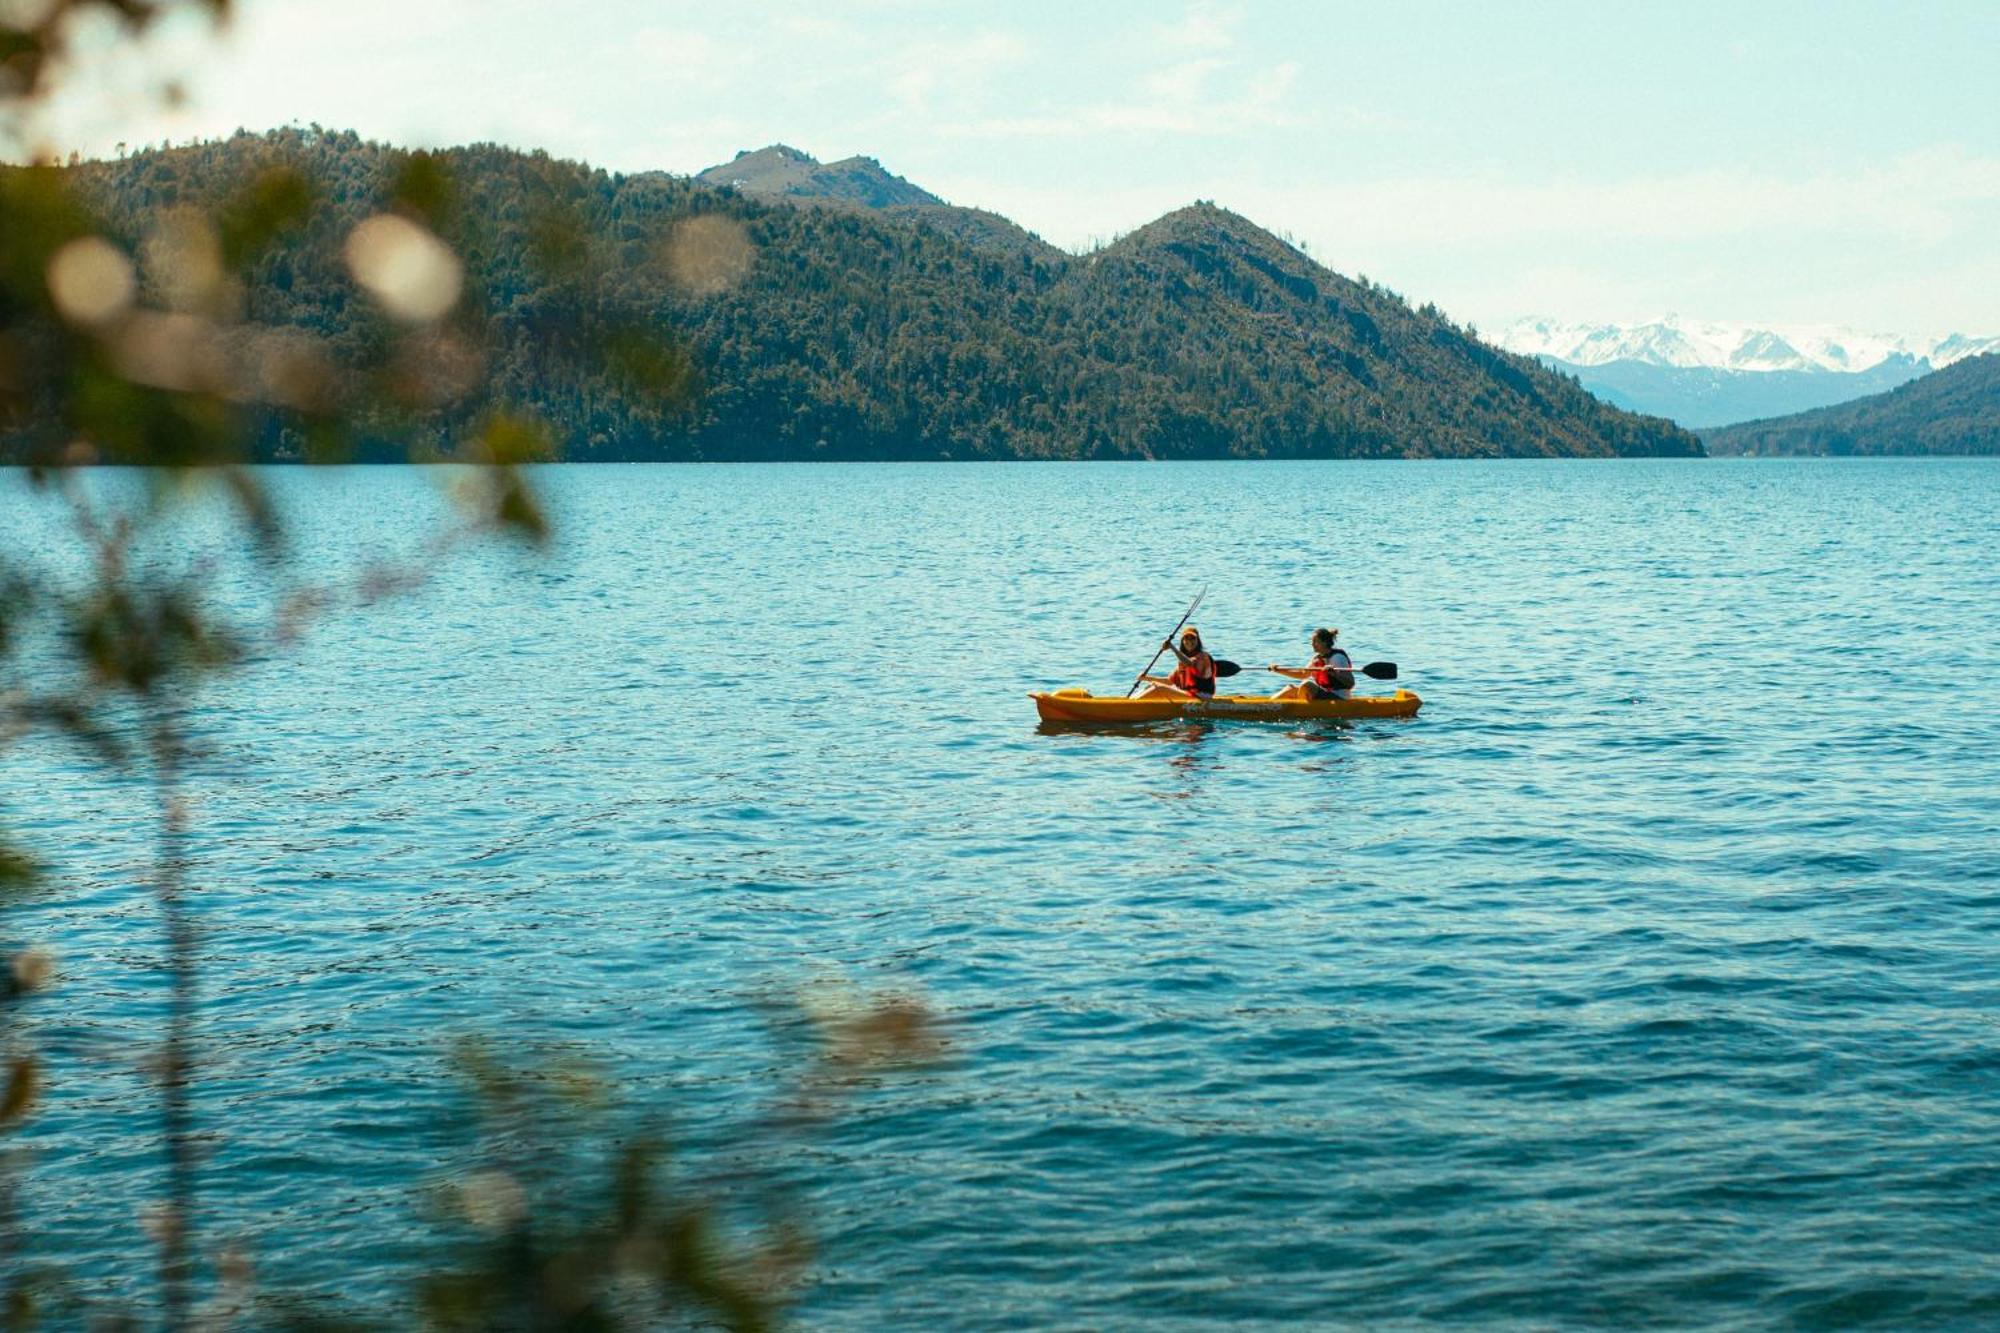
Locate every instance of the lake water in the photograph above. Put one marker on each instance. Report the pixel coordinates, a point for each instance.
(1651, 976)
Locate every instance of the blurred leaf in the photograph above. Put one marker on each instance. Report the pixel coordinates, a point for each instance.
(38, 216)
(23, 1078)
(328, 441)
(17, 871)
(91, 282)
(634, 1189)
(648, 364)
(509, 440)
(21, 55)
(894, 1030)
(594, 1233)
(75, 720)
(845, 1030)
(709, 254)
(20, 1309)
(412, 274)
(185, 271)
(135, 639)
(254, 504)
(498, 492)
(492, 1083)
(280, 200)
(17, 600)
(558, 242)
(146, 425)
(516, 511)
(27, 971)
(15, 380)
(423, 187)
(434, 368)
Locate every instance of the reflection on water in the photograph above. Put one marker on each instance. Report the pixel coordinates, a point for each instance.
(1187, 737)
(1180, 731)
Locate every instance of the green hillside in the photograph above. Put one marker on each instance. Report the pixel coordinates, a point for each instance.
(1952, 411)
(905, 332)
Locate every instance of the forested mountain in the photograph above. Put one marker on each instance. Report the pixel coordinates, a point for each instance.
(862, 333)
(1952, 411)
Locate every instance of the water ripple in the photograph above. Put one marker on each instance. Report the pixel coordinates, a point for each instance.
(1647, 979)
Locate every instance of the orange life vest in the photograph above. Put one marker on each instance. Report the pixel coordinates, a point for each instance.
(1328, 676)
(1196, 677)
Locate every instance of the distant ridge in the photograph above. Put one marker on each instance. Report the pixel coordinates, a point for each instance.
(910, 331)
(1951, 411)
(1699, 397)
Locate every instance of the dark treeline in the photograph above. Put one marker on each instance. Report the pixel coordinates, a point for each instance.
(867, 335)
(1952, 411)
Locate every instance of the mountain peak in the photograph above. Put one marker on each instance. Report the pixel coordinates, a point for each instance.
(1202, 213)
(1200, 222)
(780, 171)
(783, 152)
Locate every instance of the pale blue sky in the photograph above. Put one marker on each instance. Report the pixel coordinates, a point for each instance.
(1771, 162)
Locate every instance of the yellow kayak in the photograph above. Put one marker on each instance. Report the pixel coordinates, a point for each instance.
(1081, 706)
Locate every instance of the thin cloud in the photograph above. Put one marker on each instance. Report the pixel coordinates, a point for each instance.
(815, 29)
(1016, 127)
(919, 71)
(691, 57)
(1924, 197)
(1201, 90)
(1203, 27)
(1181, 84)
(1172, 100)
(1727, 244)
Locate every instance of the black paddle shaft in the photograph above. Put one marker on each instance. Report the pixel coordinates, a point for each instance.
(1374, 670)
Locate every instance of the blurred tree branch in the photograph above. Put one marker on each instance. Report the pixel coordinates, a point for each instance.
(144, 355)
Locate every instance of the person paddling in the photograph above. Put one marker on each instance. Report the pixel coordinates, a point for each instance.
(1331, 675)
(1196, 673)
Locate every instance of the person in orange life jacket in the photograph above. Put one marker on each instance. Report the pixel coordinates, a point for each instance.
(1196, 673)
(1331, 675)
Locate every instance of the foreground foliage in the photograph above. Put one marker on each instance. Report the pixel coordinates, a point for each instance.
(319, 305)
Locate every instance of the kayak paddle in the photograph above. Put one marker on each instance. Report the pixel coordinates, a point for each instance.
(1169, 639)
(1374, 670)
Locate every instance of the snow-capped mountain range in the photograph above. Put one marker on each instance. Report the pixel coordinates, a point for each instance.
(1690, 344)
(1703, 374)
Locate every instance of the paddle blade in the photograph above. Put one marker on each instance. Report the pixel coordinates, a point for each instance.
(1223, 668)
(1380, 671)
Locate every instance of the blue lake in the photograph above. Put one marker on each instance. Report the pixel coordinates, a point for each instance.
(1651, 976)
